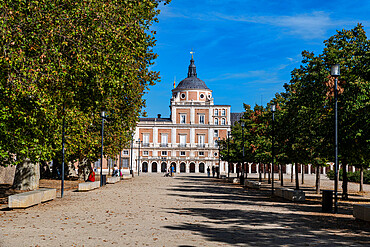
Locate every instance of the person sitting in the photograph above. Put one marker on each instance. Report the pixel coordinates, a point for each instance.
(115, 172)
(91, 177)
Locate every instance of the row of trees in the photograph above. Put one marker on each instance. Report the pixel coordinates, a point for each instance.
(304, 120)
(71, 60)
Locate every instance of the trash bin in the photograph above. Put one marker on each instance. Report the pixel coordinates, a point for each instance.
(327, 201)
(104, 179)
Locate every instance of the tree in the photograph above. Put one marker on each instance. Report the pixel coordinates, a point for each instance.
(83, 57)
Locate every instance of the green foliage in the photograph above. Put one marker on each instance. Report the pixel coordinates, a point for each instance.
(82, 56)
(352, 176)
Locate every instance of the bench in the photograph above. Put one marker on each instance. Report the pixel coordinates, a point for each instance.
(126, 176)
(252, 184)
(113, 180)
(88, 186)
(30, 198)
(290, 194)
(361, 211)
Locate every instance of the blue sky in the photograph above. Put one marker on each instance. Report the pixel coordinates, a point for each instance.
(244, 50)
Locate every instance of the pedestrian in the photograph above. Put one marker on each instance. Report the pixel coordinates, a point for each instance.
(172, 170)
(213, 171)
(208, 172)
(115, 172)
(91, 177)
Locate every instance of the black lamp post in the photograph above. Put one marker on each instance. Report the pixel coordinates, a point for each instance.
(138, 160)
(219, 157)
(335, 72)
(228, 153)
(63, 152)
(243, 124)
(102, 148)
(132, 145)
(273, 110)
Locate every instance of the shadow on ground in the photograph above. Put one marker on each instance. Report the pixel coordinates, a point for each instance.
(266, 221)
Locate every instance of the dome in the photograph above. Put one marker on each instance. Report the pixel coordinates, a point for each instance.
(192, 83)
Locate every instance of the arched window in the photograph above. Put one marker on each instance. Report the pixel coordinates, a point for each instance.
(216, 112)
(223, 121)
(216, 121)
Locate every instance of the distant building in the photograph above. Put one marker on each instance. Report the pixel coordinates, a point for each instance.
(187, 139)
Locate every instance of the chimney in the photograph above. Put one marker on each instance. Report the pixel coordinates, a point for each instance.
(159, 115)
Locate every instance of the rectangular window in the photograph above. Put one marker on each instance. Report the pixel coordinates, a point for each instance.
(182, 153)
(164, 153)
(215, 133)
(164, 140)
(182, 140)
(145, 153)
(201, 153)
(201, 141)
(201, 119)
(124, 162)
(145, 140)
(183, 118)
(125, 152)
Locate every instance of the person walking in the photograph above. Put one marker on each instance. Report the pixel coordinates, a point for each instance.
(208, 171)
(213, 171)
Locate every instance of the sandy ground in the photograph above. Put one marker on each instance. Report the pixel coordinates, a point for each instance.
(187, 210)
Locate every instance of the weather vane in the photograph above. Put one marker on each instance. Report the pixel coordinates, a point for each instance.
(192, 52)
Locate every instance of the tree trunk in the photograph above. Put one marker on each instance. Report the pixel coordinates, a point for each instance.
(317, 179)
(279, 171)
(282, 175)
(291, 172)
(296, 177)
(264, 171)
(268, 173)
(303, 169)
(260, 172)
(361, 179)
(345, 182)
(27, 176)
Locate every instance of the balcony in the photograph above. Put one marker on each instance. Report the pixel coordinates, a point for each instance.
(145, 144)
(164, 145)
(201, 145)
(182, 145)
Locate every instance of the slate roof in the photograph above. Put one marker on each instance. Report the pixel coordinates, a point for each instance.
(192, 81)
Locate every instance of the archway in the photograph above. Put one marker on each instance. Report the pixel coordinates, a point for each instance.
(174, 166)
(201, 168)
(145, 166)
(182, 167)
(192, 167)
(154, 167)
(164, 167)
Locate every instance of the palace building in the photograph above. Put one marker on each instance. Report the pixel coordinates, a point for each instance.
(187, 139)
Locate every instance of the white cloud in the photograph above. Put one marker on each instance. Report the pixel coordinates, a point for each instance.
(308, 26)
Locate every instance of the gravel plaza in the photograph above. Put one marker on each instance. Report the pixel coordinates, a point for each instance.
(185, 210)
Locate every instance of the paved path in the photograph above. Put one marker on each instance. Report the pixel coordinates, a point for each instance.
(153, 210)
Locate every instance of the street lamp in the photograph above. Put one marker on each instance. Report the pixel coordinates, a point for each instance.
(63, 151)
(242, 174)
(335, 72)
(132, 145)
(273, 110)
(138, 160)
(102, 147)
(228, 153)
(219, 157)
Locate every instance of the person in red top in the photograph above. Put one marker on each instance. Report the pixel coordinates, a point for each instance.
(91, 177)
